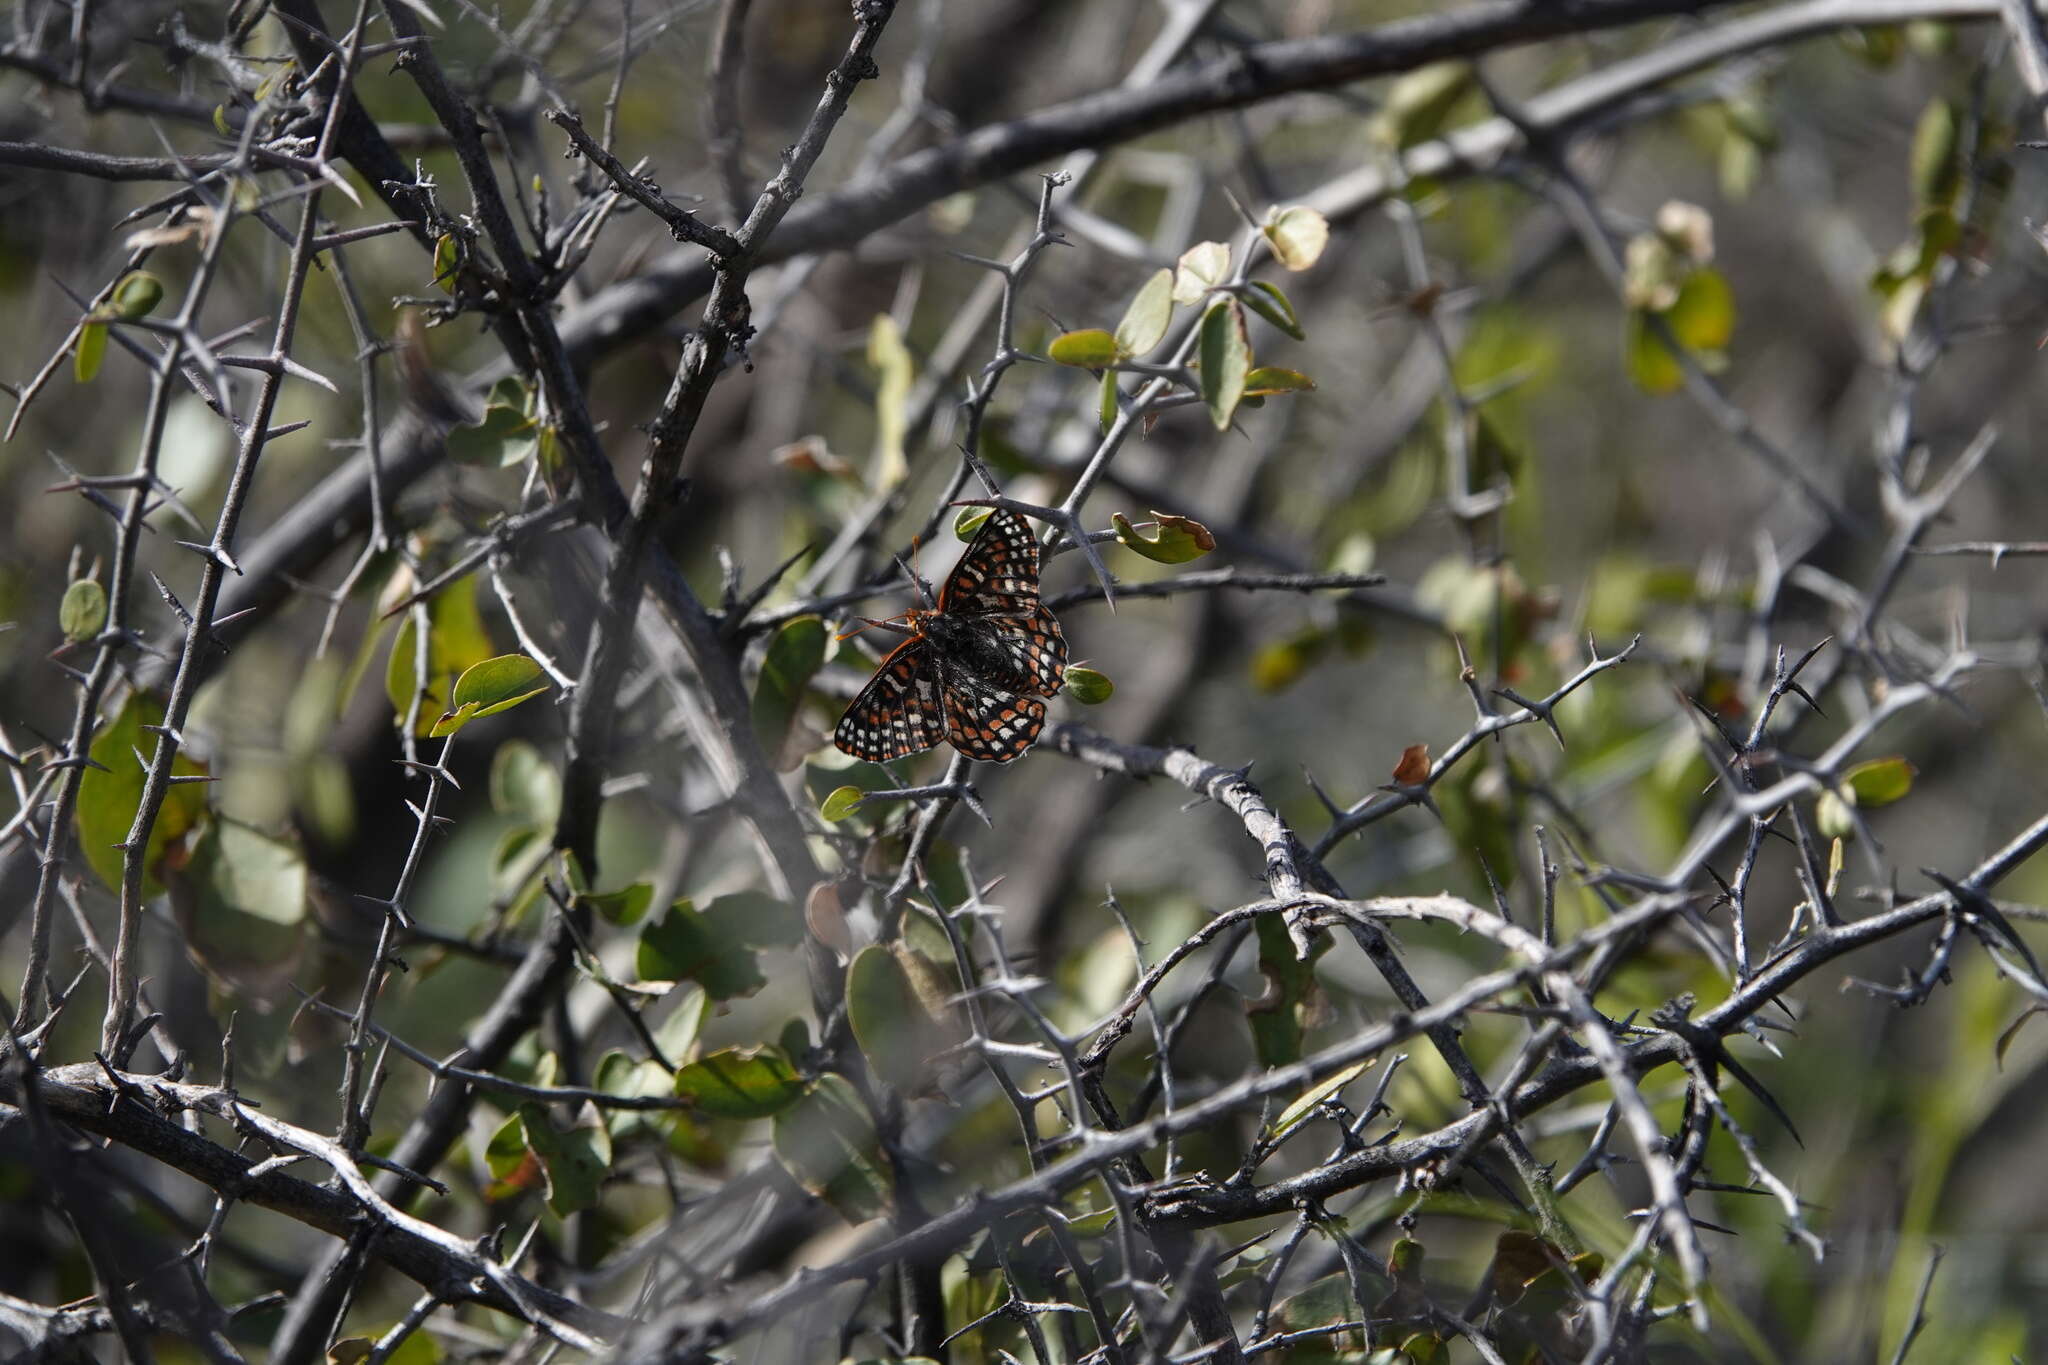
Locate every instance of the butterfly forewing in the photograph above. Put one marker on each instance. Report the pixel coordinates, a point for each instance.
(898, 713)
(999, 573)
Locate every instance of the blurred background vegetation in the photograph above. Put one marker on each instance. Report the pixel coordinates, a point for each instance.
(1866, 213)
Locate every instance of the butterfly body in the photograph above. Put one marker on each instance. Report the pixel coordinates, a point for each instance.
(974, 670)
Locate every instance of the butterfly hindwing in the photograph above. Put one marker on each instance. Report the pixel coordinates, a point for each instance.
(987, 723)
(1035, 649)
(899, 712)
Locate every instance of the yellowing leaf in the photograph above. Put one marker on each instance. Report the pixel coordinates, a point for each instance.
(894, 371)
(1089, 349)
(1298, 236)
(1202, 267)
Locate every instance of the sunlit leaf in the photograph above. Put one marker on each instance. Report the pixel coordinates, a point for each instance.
(456, 639)
(841, 803)
(1145, 321)
(969, 521)
(1298, 235)
(1879, 782)
(894, 371)
(88, 351)
(1327, 1088)
(740, 1083)
(83, 612)
(1174, 540)
(1091, 349)
(447, 260)
(1202, 267)
(1270, 379)
(491, 686)
(135, 297)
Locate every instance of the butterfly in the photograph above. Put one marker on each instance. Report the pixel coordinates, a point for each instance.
(975, 668)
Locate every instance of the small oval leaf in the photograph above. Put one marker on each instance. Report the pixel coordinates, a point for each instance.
(1145, 321)
(1090, 349)
(969, 521)
(136, 296)
(83, 611)
(1879, 782)
(1203, 266)
(1298, 236)
(1087, 686)
(841, 803)
(88, 351)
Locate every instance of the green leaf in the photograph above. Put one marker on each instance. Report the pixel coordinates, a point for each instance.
(1650, 362)
(900, 1028)
(1175, 540)
(1281, 1015)
(1271, 304)
(1108, 408)
(684, 945)
(1087, 686)
(1090, 349)
(841, 804)
(486, 688)
(109, 795)
(241, 899)
(969, 521)
(1280, 664)
(1271, 379)
(1203, 266)
(827, 1144)
(894, 371)
(794, 656)
(756, 919)
(83, 612)
(447, 260)
(1298, 235)
(510, 1161)
(1704, 314)
(1935, 167)
(1146, 320)
(88, 351)
(1879, 782)
(574, 1164)
(740, 1083)
(524, 784)
(627, 905)
(456, 639)
(1419, 104)
(506, 438)
(1226, 358)
(1327, 1088)
(136, 296)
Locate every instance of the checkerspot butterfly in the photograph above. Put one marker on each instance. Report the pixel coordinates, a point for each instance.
(974, 670)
